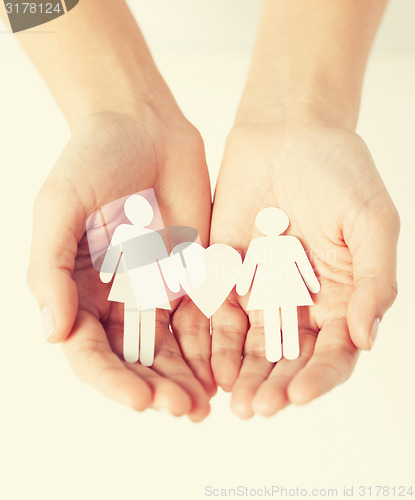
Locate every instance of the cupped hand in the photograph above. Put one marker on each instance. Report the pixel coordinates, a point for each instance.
(324, 178)
(109, 156)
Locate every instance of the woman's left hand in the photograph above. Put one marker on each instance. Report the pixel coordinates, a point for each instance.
(324, 178)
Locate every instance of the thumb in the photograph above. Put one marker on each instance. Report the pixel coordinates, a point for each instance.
(373, 245)
(58, 224)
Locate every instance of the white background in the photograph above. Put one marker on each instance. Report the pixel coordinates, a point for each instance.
(60, 439)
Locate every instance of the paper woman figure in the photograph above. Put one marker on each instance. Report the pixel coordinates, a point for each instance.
(281, 265)
(133, 257)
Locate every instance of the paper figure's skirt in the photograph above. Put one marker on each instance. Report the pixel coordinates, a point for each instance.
(279, 294)
(122, 291)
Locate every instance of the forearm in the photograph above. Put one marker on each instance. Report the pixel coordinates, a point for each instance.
(310, 55)
(94, 59)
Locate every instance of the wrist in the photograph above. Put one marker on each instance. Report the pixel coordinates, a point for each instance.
(265, 102)
(133, 92)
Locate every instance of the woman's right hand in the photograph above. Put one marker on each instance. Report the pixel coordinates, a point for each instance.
(111, 155)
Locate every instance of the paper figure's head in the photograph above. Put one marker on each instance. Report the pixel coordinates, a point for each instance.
(138, 210)
(272, 221)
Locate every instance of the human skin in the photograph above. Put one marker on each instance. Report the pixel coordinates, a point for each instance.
(128, 135)
(294, 146)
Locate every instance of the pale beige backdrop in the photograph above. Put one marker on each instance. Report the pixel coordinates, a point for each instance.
(59, 440)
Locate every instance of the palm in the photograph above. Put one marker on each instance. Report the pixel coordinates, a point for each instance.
(170, 379)
(313, 175)
(111, 159)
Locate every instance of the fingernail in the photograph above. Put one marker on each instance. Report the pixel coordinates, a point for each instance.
(374, 332)
(48, 323)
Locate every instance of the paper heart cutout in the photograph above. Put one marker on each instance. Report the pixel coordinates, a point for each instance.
(221, 266)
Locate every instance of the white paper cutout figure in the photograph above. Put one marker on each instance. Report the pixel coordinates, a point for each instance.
(276, 265)
(141, 288)
(209, 286)
(101, 224)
